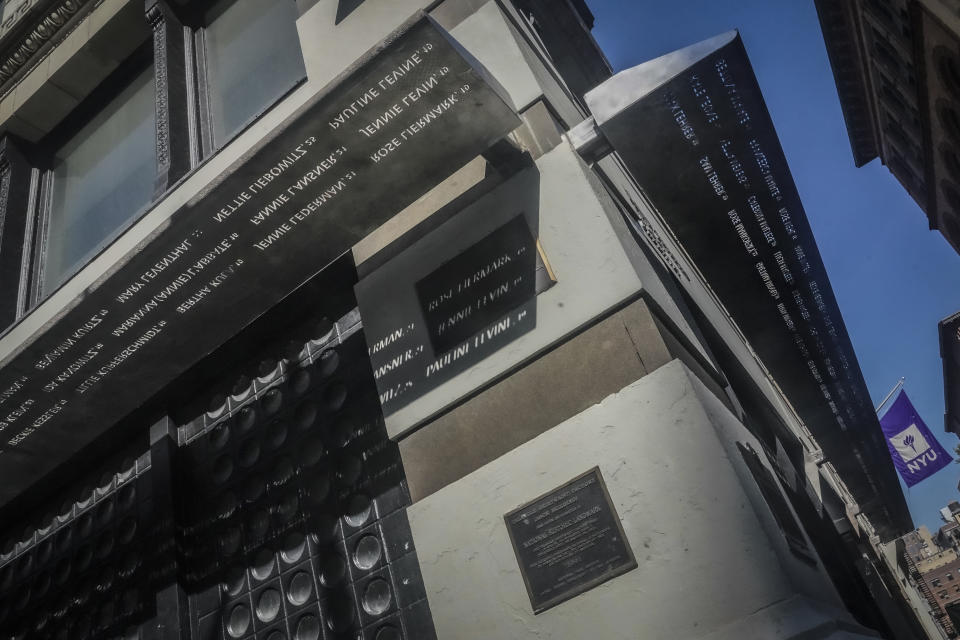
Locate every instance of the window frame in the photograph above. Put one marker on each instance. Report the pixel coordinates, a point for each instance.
(111, 88)
(19, 184)
(173, 49)
(206, 143)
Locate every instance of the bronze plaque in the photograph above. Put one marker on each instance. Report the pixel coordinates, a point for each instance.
(430, 316)
(569, 541)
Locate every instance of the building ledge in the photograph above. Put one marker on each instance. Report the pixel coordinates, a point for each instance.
(839, 36)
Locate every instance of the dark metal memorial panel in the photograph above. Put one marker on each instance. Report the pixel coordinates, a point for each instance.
(433, 315)
(703, 147)
(411, 113)
(569, 541)
(470, 291)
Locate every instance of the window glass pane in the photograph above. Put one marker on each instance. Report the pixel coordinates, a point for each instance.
(253, 57)
(102, 178)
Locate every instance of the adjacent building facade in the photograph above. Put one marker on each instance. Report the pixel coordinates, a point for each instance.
(406, 319)
(948, 331)
(930, 562)
(897, 69)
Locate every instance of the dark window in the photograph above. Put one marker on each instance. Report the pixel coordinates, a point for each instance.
(948, 69)
(885, 54)
(895, 132)
(102, 178)
(777, 503)
(251, 57)
(881, 11)
(899, 167)
(892, 97)
(951, 160)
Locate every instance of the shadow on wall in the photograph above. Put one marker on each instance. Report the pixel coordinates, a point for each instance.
(345, 8)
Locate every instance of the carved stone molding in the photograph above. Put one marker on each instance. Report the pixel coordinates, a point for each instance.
(171, 76)
(43, 25)
(158, 24)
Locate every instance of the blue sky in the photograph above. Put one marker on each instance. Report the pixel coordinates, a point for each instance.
(894, 279)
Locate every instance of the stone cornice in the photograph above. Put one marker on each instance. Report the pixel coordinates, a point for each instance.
(34, 27)
(843, 42)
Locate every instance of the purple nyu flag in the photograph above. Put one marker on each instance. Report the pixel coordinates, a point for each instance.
(915, 452)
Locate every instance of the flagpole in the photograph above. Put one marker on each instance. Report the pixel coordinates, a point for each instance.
(892, 391)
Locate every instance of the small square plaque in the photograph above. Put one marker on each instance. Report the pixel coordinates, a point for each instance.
(569, 541)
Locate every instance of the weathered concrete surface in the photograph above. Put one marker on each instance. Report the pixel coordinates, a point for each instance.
(690, 512)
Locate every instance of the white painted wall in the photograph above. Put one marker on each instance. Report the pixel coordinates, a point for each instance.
(592, 269)
(711, 560)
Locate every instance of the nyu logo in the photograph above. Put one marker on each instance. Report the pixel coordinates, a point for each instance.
(913, 448)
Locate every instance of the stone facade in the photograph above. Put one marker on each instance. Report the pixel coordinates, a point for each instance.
(292, 478)
(895, 64)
